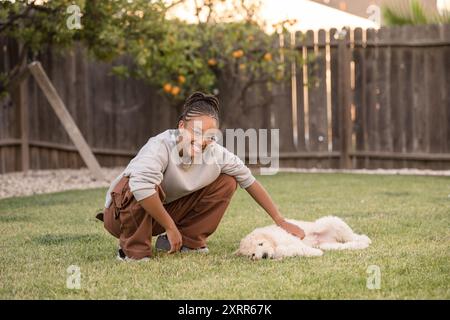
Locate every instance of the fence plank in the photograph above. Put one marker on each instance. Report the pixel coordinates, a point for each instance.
(344, 100)
(371, 96)
(384, 67)
(301, 146)
(361, 130)
(397, 79)
(318, 139)
(8, 114)
(434, 78)
(419, 94)
(446, 85)
(283, 107)
(48, 126)
(334, 69)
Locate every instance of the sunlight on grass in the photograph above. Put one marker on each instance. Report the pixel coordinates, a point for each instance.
(408, 219)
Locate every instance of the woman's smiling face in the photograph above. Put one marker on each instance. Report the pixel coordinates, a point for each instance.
(197, 133)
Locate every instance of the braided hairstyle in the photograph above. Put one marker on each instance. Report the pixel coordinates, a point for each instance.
(200, 104)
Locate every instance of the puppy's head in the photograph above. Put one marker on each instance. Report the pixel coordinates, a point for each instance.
(257, 246)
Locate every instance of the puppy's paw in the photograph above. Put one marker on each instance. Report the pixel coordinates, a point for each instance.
(313, 252)
(365, 239)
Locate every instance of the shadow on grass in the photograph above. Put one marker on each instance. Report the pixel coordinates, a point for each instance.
(59, 239)
(396, 193)
(50, 199)
(5, 218)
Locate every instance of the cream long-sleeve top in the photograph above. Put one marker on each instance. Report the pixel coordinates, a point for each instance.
(159, 163)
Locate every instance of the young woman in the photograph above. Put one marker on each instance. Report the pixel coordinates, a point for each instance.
(165, 189)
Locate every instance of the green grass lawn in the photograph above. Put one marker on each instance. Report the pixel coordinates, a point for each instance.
(408, 219)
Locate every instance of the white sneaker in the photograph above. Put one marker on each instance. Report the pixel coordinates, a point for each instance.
(198, 250)
(163, 244)
(122, 257)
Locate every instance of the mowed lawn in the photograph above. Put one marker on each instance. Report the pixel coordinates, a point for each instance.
(407, 217)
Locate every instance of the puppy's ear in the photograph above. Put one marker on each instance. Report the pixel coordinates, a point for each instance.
(237, 253)
(270, 240)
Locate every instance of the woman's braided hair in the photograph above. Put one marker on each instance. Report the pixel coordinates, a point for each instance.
(200, 104)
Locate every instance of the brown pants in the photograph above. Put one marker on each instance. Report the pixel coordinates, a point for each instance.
(196, 215)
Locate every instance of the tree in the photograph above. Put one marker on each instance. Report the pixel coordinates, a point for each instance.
(107, 28)
(224, 56)
(412, 13)
(175, 56)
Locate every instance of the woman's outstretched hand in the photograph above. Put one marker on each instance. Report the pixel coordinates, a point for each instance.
(257, 191)
(292, 229)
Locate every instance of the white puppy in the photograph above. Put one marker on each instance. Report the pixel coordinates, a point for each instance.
(327, 233)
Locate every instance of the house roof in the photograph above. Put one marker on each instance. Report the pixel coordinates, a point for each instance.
(311, 15)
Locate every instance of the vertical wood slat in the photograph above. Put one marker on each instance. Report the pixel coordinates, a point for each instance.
(358, 99)
(283, 105)
(20, 98)
(22, 104)
(335, 78)
(399, 93)
(384, 67)
(311, 81)
(419, 92)
(344, 100)
(445, 34)
(3, 102)
(317, 93)
(32, 106)
(48, 127)
(434, 79)
(10, 154)
(371, 95)
(301, 146)
(393, 76)
(84, 119)
(70, 96)
(408, 85)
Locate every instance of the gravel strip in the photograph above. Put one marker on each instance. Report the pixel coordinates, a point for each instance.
(19, 184)
(406, 172)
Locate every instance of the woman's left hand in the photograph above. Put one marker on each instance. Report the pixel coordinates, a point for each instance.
(292, 229)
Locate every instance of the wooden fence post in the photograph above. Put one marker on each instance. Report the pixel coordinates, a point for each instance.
(22, 95)
(19, 96)
(66, 119)
(344, 99)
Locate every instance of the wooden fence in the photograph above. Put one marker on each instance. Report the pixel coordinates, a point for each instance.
(395, 83)
(368, 99)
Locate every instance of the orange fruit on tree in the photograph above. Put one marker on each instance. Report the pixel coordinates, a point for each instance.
(238, 53)
(268, 56)
(181, 79)
(167, 87)
(175, 90)
(212, 62)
